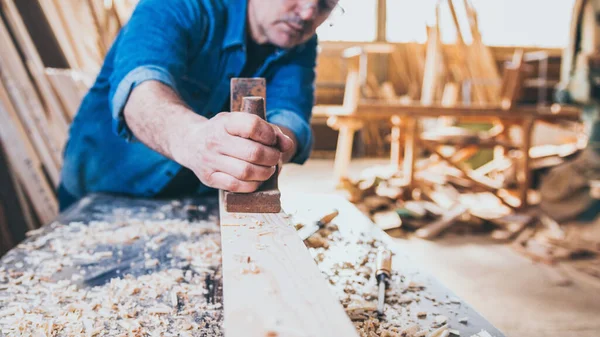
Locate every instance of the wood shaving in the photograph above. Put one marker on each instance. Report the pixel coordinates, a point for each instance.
(37, 301)
(39, 296)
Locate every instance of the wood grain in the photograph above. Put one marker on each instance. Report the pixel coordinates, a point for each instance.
(21, 155)
(20, 92)
(62, 34)
(271, 285)
(35, 65)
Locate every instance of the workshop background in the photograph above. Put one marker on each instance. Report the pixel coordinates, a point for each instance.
(503, 210)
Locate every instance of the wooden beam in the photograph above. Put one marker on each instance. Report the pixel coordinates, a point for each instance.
(77, 18)
(35, 65)
(21, 98)
(382, 110)
(410, 129)
(271, 284)
(21, 155)
(524, 174)
(62, 34)
(381, 21)
(70, 88)
(432, 67)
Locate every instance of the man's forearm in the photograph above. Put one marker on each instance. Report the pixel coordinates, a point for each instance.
(156, 115)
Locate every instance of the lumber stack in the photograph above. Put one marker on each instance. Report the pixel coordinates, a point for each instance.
(37, 103)
(85, 29)
(438, 72)
(471, 66)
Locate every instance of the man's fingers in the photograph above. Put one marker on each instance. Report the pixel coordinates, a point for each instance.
(251, 127)
(250, 151)
(284, 143)
(244, 171)
(227, 182)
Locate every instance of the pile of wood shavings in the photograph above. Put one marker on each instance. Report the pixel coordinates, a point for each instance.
(348, 264)
(167, 299)
(354, 283)
(165, 303)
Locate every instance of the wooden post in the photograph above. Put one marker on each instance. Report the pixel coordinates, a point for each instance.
(395, 148)
(410, 148)
(381, 21)
(524, 171)
(343, 153)
(21, 155)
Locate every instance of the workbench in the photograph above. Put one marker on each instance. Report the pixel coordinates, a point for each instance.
(129, 241)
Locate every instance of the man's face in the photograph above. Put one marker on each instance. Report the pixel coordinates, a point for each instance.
(287, 23)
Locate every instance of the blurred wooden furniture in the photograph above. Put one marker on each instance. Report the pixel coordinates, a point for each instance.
(405, 117)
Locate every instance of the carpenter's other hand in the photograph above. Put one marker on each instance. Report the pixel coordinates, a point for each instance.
(231, 151)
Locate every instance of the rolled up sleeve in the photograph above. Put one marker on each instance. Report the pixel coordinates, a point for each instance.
(301, 129)
(290, 97)
(153, 46)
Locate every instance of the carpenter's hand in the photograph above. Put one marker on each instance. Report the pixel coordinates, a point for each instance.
(232, 151)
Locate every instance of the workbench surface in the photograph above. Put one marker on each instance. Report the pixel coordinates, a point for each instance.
(111, 265)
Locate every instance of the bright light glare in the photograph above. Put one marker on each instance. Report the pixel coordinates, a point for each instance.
(540, 23)
(357, 23)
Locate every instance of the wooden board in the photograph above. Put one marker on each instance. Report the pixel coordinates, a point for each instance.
(18, 92)
(21, 155)
(271, 284)
(355, 233)
(36, 67)
(60, 31)
(78, 21)
(70, 87)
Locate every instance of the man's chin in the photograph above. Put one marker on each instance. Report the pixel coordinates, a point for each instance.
(285, 40)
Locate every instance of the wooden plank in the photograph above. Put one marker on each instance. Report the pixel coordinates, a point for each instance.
(271, 284)
(62, 34)
(79, 22)
(97, 26)
(124, 9)
(17, 89)
(432, 67)
(69, 88)
(378, 110)
(437, 227)
(21, 155)
(36, 67)
(410, 149)
(524, 174)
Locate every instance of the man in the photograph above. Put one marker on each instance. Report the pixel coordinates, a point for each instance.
(151, 125)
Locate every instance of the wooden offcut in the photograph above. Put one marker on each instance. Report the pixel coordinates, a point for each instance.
(271, 284)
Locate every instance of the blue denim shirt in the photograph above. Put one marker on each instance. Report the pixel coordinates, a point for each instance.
(195, 47)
